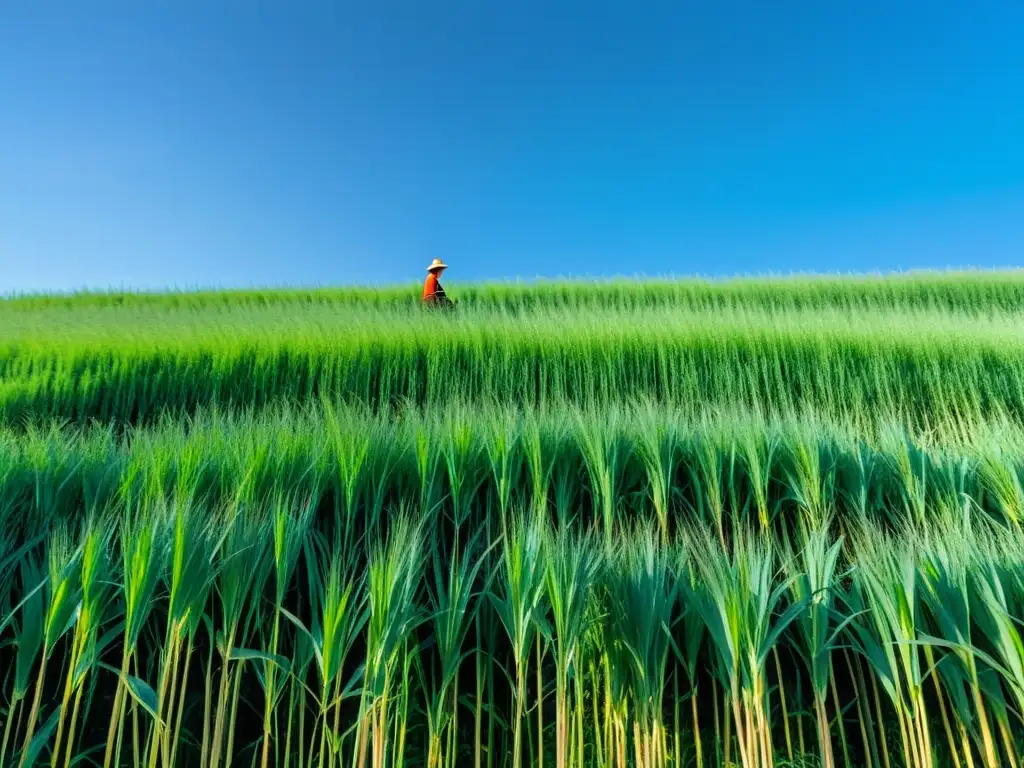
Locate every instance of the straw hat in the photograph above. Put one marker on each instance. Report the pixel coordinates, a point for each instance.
(436, 264)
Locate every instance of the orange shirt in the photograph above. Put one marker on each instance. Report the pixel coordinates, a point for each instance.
(431, 287)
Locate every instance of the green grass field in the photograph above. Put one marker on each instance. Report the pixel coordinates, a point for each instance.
(770, 522)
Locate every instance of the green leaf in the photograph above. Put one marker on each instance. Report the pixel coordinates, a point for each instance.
(780, 626)
(143, 694)
(81, 757)
(316, 645)
(72, 611)
(94, 651)
(41, 739)
(937, 642)
(248, 654)
(32, 593)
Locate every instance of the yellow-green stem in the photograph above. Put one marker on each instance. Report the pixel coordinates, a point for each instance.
(165, 709)
(69, 683)
(696, 729)
(782, 699)
(222, 701)
(180, 709)
(115, 715)
(70, 751)
(540, 709)
(268, 706)
(478, 724)
(881, 725)
(840, 720)
(33, 715)
(229, 754)
(8, 727)
(1011, 749)
(207, 707)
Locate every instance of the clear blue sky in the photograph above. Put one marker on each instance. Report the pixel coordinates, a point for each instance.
(215, 142)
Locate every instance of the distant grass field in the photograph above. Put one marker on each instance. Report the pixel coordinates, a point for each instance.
(945, 291)
(87, 360)
(634, 523)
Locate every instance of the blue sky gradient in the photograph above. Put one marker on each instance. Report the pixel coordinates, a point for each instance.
(150, 144)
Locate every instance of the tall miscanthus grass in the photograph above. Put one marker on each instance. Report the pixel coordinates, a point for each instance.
(813, 576)
(518, 599)
(573, 565)
(887, 584)
(291, 524)
(673, 463)
(238, 584)
(60, 593)
(394, 571)
(453, 609)
(740, 600)
(996, 580)
(306, 586)
(658, 443)
(642, 597)
(123, 367)
(946, 595)
(365, 659)
(606, 452)
(688, 636)
(188, 579)
(143, 546)
(27, 620)
(336, 594)
(87, 644)
(978, 293)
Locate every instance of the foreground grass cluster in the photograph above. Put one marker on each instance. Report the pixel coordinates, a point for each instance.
(651, 524)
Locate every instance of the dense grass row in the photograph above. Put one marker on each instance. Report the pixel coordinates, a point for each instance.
(627, 524)
(968, 292)
(917, 367)
(170, 633)
(648, 462)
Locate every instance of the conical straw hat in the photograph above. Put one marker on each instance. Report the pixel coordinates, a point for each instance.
(436, 264)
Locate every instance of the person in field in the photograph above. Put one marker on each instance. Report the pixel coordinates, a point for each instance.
(433, 293)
